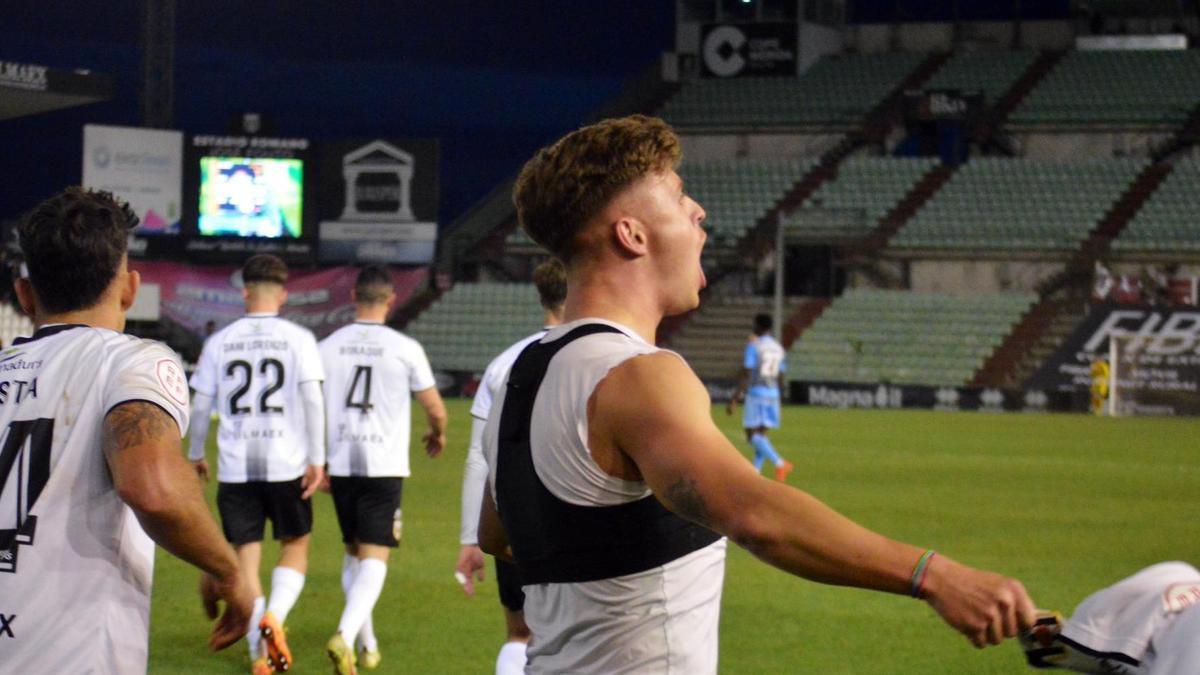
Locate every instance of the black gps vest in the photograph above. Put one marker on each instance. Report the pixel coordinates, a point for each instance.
(557, 542)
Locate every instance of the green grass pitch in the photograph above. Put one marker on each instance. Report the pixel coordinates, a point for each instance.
(1066, 503)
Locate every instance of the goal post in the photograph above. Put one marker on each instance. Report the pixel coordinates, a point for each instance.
(1145, 377)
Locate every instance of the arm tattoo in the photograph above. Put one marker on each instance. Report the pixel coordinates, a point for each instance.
(134, 423)
(686, 501)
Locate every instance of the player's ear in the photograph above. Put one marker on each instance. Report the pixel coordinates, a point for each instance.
(630, 235)
(129, 289)
(25, 296)
(282, 296)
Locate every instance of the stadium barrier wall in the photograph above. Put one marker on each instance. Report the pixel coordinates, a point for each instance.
(883, 396)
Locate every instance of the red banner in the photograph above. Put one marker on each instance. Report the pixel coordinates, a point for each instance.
(318, 300)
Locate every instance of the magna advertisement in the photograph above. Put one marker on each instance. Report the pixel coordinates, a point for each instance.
(1159, 368)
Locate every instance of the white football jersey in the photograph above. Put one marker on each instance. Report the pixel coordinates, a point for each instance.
(75, 565)
(1137, 616)
(372, 371)
(496, 375)
(253, 368)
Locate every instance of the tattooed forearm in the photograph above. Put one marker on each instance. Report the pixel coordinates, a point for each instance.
(134, 423)
(686, 500)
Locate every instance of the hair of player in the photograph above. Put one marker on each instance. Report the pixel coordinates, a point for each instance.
(763, 323)
(264, 268)
(73, 244)
(373, 285)
(565, 185)
(550, 278)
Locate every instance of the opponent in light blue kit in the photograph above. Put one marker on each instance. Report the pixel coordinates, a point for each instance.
(762, 365)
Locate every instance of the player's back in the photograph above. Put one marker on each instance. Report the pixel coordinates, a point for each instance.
(75, 565)
(765, 358)
(254, 368)
(371, 371)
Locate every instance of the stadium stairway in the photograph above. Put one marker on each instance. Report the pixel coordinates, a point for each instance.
(1036, 336)
(1063, 296)
(906, 208)
(714, 338)
(874, 129)
(1185, 137)
(992, 121)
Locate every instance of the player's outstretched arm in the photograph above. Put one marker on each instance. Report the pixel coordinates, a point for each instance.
(435, 413)
(654, 410)
(142, 447)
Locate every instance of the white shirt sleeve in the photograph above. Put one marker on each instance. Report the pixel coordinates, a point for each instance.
(204, 378)
(475, 475)
(313, 403)
(420, 374)
(152, 372)
(482, 404)
(201, 409)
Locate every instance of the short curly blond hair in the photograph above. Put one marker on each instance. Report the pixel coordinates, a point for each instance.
(566, 184)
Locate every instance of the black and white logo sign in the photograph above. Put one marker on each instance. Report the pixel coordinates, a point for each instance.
(749, 50)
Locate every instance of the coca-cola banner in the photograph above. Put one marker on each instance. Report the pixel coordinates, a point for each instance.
(318, 300)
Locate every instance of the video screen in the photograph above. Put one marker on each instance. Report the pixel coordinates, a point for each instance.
(251, 196)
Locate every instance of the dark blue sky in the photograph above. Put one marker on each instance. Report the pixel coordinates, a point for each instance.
(493, 80)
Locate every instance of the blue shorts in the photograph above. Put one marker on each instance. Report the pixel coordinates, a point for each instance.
(760, 411)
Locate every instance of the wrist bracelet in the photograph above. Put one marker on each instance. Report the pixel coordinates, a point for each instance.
(916, 584)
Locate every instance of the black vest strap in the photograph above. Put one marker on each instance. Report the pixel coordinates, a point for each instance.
(557, 542)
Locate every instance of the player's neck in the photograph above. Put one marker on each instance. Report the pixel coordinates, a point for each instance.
(610, 297)
(370, 313)
(262, 307)
(98, 316)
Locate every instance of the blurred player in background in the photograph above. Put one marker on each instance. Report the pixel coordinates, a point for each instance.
(373, 372)
(609, 483)
(1146, 624)
(762, 366)
(91, 464)
(551, 280)
(263, 373)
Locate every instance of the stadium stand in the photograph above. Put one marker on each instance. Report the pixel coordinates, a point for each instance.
(1116, 88)
(837, 90)
(736, 193)
(905, 337)
(1167, 222)
(993, 73)
(472, 323)
(850, 205)
(13, 324)
(1017, 205)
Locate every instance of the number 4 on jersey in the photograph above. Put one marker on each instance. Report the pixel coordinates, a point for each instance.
(358, 395)
(24, 471)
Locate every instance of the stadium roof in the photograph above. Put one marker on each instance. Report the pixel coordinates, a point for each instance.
(28, 89)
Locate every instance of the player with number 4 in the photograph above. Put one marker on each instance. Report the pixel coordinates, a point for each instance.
(374, 372)
(762, 365)
(263, 373)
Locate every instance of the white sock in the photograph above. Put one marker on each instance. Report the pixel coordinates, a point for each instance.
(511, 660)
(363, 595)
(366, 635)
(252, 635)
(286, 584)
(349, 568)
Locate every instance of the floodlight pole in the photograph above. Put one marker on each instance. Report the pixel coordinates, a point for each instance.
(779, 257)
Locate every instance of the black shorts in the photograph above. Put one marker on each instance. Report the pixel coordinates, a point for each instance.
(368, 509)
(245, 508)
(508, 578)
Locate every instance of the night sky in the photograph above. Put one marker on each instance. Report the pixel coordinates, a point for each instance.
(492, 80)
